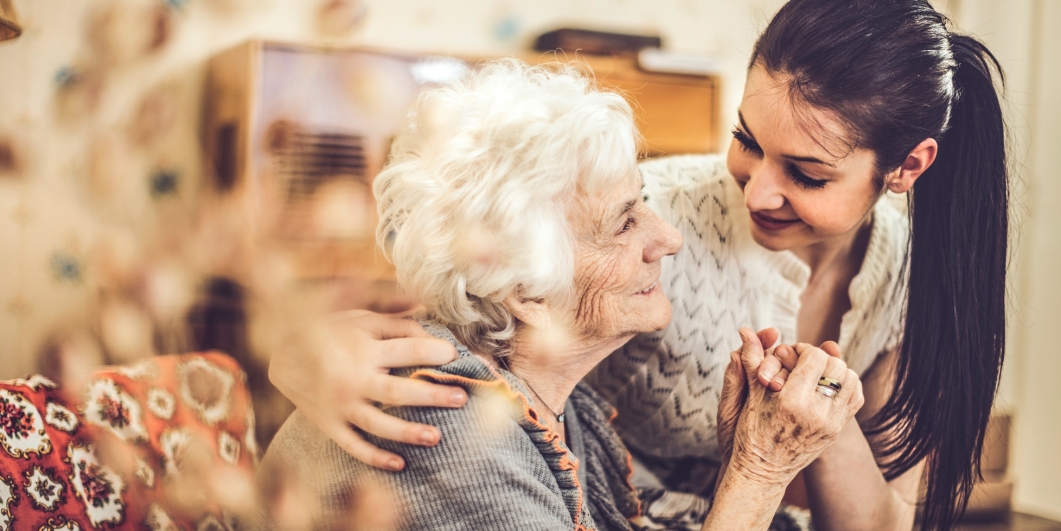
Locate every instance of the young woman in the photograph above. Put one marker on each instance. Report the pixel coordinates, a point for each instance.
(845, 101)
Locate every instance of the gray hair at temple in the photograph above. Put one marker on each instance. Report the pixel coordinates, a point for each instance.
(473, 202)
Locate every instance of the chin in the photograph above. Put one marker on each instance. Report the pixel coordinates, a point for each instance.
(772, 242)
(660, 317)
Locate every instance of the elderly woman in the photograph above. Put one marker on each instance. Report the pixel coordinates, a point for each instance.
(512, 209)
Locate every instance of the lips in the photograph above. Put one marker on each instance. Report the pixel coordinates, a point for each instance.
(649, 289)
(772, 224)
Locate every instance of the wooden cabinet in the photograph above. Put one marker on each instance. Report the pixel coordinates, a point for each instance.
(675, 113)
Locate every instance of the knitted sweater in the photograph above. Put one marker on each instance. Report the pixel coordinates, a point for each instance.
(666, 385)
(496, 467)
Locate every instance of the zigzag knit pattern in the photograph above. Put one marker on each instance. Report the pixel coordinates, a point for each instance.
(666, 385)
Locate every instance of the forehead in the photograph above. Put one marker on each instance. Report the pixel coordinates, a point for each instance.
(783, 123)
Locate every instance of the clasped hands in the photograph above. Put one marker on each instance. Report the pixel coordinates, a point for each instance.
(772, 422)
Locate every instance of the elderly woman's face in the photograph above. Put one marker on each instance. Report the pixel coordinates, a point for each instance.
(619, 244)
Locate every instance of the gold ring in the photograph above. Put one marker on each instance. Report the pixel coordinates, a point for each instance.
(829, 382)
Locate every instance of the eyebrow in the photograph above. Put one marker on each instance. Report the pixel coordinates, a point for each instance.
(798, 158)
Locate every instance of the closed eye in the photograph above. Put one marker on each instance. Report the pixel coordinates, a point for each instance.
(629, 224)
(803, 180)
(746, 142)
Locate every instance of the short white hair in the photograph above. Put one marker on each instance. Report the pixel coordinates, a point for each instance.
(472, 201)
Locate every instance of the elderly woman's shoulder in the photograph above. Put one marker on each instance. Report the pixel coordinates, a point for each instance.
(683, 171)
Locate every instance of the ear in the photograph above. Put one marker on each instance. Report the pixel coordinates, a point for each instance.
(533, 312)
(920, 158)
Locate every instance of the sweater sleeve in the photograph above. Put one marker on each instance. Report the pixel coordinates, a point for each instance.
(485, 473)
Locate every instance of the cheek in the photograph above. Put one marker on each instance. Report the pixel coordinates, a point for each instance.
(830, 212)
(602, 282)
(739, 163)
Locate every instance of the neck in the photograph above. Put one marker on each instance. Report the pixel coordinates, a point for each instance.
(845, 249)
(553, 372)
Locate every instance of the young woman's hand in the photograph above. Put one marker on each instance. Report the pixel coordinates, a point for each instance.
(340, 387)
(780, 433)
(778, 363)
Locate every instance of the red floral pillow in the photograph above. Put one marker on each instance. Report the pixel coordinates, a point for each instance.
(163, 444)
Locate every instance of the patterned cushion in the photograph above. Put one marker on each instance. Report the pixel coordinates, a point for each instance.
(124, 453)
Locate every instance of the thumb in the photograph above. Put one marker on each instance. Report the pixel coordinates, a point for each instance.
(731, 403)
(751, 353)
(734, 388)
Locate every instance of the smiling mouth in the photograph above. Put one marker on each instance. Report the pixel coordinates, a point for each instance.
(649, 289)
(772, 224)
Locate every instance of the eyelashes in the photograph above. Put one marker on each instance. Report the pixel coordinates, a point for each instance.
(746, 142)
(801, 179)
(749, 145)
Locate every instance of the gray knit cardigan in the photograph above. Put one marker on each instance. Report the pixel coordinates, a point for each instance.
(496, 467)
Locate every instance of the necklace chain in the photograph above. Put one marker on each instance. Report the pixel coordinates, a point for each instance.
(559, 418)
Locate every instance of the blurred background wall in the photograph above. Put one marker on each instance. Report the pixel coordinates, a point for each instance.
(72, 184)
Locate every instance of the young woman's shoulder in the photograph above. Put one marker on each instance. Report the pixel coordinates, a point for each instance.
(683, 171)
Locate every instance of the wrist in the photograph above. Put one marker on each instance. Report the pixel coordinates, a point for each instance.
(744, 500)
(754, 478)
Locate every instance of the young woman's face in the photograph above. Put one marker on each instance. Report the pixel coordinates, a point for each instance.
(802, 183)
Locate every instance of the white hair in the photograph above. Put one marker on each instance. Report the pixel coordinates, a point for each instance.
(472, 201)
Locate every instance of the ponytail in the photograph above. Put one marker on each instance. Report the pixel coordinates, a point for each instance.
(952, 349)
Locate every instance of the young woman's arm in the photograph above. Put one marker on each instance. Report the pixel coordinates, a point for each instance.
(845, 487)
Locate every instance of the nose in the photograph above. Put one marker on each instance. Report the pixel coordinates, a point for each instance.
(666, 240)
(763, 189)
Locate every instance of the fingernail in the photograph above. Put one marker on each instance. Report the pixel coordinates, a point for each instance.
(743, 334)
(427, 437)
(778, 383)
(457, 398)
(767, 374)
(394, 464)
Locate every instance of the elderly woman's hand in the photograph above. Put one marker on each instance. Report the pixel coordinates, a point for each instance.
(774, 434)
(734, 394)
(780, 433)
(337, 388)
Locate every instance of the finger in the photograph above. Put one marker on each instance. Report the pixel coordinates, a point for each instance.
(787, 356)
(835, 368)
(352, 443)
(751, 351)
(733, 386)
(347, 314)
(768, 336)
(851, 391)
(400, 391)
(390, 327)
(809, 368)
(416, 352)
(769, 368)
(831, 348)
(778, 382)
(392, 428)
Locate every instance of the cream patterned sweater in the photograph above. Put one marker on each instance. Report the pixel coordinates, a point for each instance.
(666, 385)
